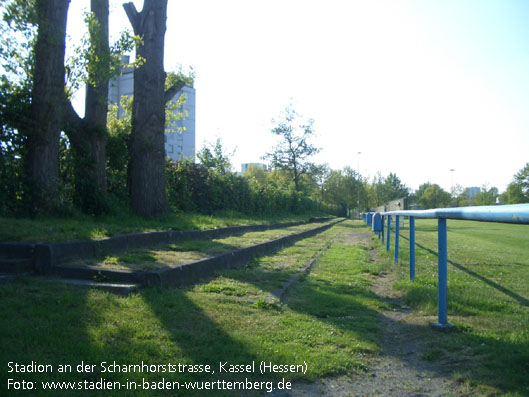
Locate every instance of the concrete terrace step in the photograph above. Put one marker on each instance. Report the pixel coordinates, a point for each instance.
(115, 288)
(16, 266)
(186, 273)
(7, 278)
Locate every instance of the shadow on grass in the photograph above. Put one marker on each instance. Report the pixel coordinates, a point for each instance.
(354, 225)
(523, 301)
(461, 353)
(62, 324)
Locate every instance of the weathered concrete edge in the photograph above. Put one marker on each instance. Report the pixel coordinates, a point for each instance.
(46, 256)
(193, 271)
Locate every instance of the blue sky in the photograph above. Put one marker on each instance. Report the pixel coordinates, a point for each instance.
(418, 87)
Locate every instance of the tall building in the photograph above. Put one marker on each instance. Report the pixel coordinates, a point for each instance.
(244, 166)
(472, 191)
(180, 137)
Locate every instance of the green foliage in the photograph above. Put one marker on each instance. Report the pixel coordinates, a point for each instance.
(256, 176)
(394, 188)
(486, 196)
(212, 156)
(342, 188)
(174, 109)
(432, 196)
(293, 151)
(89, 64)
(518, 189)
(514, 195)
(193, 187)
(17, 39)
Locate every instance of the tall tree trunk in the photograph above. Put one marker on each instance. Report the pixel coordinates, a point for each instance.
(48, 91)
(88, 136)
(96, 104)
(147, 155)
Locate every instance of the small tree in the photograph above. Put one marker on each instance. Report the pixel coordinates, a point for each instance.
(213, 156)
(487, 196)
(518, 189)
(432, 196)
(293, 151)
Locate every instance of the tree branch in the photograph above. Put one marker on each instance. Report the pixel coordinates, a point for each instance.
(173, 90)
(133, 15)
(72, 123)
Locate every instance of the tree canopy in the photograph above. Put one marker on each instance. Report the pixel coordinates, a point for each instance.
(294, 150)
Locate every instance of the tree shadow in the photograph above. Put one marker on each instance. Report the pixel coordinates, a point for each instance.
(523, 301)
(68, 325)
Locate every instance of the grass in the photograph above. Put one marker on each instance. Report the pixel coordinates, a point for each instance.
(82, 227)
(189, 251)
(328, 319)
(488, 301)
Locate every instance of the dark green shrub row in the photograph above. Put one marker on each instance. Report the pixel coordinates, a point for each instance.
(193, 187)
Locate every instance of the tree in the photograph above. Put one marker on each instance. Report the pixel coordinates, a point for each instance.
(293, 151)
(147, 153)
(342, 188)
(256, 175)
(47, 97)
(88, 135)
(486, 196)
(213, 156)
(394, 188)
(522, 179)
(457, 192)
(375, 191)
(321, 173)
(432, 196)
(518, 189)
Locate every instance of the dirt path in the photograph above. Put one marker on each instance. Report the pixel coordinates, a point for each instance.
(400, 370)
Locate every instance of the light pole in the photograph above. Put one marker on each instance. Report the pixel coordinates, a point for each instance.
(452, 191)
(358, 199)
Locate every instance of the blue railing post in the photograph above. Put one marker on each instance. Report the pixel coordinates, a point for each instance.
(382, 220)
(513, 213)
(397, 231)
(389, 231)
(442, 282)
(412, 248)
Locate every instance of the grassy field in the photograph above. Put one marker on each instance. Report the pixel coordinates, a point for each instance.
(488, 301)
(82, 227)
(328, 320)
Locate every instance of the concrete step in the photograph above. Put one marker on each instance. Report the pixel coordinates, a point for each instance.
(7, 278)
(115, 288)
(16, 266)
(16, 250)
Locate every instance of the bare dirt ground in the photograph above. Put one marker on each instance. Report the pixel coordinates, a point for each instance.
(400, 369)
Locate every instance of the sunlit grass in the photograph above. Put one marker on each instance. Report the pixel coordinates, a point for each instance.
(188, 251)
(82, 227)
(488, 299)
(327, 319)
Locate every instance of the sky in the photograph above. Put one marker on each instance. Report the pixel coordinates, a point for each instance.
(419, 88)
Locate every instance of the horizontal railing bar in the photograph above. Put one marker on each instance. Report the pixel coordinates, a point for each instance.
(513, 213)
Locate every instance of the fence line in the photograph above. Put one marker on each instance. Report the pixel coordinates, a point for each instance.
(515, 213)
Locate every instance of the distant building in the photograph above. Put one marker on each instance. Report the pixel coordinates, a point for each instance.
(472, 191)
(246, 165)
(178, 145)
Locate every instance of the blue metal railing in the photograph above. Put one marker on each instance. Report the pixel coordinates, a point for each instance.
(517, 213)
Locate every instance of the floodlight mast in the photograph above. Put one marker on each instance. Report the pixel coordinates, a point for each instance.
(358, 199)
